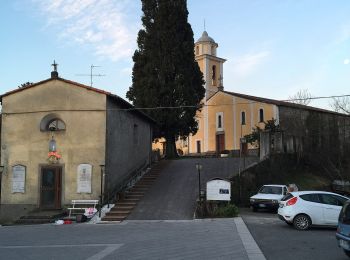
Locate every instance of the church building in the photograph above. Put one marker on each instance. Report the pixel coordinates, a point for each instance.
(62, 140)
(226, 117)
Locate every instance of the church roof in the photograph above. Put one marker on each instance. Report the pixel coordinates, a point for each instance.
(123, 103)
(205, 38)
(280, 103)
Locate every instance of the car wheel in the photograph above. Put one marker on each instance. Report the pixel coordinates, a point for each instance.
(347, 253)
(302, 222)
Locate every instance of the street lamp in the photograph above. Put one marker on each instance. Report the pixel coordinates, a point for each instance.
(199, 168)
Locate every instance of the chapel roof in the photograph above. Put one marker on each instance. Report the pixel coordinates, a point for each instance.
(123, 103)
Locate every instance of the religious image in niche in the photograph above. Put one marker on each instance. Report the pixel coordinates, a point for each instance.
(53, 157)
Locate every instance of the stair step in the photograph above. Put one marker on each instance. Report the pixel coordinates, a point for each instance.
(134, 196)
(126, 208)
(118, 213)
(136, 193)
(113, 218)
(125, 202)
(34, 221)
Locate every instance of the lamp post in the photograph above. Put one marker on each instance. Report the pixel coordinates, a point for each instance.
(199, 168)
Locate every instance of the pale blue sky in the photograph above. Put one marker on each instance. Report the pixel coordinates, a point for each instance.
(273, 47)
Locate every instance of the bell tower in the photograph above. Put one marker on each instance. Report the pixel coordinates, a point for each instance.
(210, 65)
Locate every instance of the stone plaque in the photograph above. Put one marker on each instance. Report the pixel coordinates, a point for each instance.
(18, 178)
(84, 178)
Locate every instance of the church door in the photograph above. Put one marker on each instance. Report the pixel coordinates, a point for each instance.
(50, 189)
(220, 143)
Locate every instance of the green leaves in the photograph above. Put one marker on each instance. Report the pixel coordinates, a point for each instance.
(165, 73)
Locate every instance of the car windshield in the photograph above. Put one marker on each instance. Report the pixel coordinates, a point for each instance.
(270, 190)
(344, 216)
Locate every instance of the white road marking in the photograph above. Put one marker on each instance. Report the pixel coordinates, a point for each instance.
(109, 248)
(251, 247)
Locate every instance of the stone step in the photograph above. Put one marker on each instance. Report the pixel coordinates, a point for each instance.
(113, 218)
(126, 208)
(125, 203)
(135, 193)
(33, 221)
(132, 195)
(118, 213)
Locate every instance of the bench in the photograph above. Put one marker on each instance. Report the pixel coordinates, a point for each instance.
(77, 205)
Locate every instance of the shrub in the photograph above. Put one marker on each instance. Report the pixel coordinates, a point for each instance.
(227, 211)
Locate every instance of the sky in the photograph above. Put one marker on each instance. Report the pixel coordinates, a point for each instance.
(273, 48)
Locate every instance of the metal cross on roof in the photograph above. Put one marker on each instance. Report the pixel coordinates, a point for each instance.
(54, 65)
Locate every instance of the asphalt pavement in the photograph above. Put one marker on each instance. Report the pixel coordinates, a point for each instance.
(277, 240)
(173, 195)
(185, 239)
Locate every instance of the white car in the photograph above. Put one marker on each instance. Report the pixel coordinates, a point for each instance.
(268, 197)
(305, 208)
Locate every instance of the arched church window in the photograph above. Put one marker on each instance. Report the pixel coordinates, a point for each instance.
(261, 115)
(242, 118)
(197, 50)
(56, 125)
(214, 74)
(52, 122)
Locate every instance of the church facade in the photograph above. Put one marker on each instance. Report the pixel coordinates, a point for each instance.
(61, 140)
(226, 117)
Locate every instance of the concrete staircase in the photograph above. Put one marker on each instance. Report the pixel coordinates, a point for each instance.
(124, 206)
(41, 217)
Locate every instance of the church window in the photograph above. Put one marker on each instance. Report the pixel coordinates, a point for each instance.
(220, 121)
(261, 115)
(52, 122)
(242, 118)
(197, 50)
(214, 72)
(56, 125)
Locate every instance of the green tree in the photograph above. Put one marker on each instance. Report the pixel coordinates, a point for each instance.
(254, 137)
(165, 73)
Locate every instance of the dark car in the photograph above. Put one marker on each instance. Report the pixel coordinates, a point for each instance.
(343, 230)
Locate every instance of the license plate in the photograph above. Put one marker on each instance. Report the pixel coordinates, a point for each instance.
(262, 205)
(344, 244)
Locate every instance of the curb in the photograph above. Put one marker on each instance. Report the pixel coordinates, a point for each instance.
(250, 246)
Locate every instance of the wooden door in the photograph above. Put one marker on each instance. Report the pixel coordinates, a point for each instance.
(50, 189)
(220, 143)
(198, 146)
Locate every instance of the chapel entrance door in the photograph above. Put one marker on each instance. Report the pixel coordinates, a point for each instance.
(220, 143)
(50, 188)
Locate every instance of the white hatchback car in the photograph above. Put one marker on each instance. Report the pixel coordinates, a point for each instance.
(305, 208)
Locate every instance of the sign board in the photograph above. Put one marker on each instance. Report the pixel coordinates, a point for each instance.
(218, 189)
(18, 178)
(84, 178)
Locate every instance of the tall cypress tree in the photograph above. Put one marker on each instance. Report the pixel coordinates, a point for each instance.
(165, 73)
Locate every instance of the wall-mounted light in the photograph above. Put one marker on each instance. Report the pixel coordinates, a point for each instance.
(52, 145)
